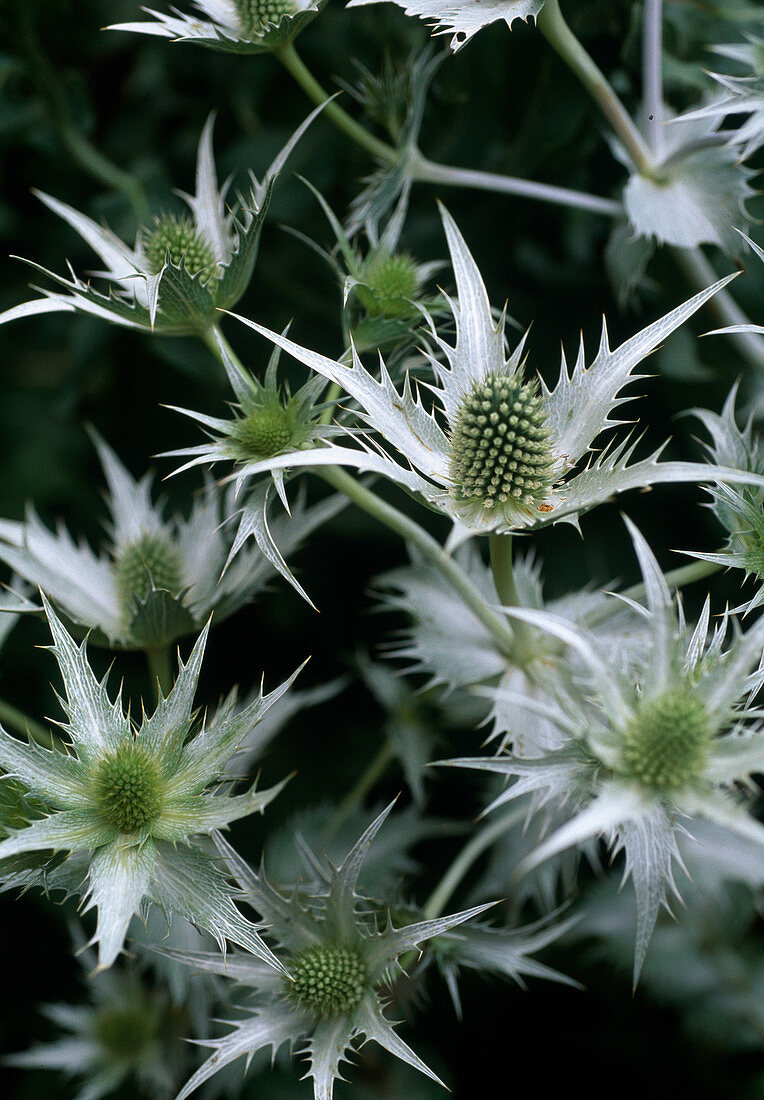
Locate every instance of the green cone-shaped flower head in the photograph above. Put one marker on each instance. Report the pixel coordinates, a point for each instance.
(184, 243)
(666, 744)
(255, 15)
(151, 561)
(329, 980)
(500, 447)
(388, 282)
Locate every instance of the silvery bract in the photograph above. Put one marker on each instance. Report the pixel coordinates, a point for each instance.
(647, 747)
(161, 578)
(463, 18)
(340, 952)
(696, 195)
(745, 95)
(233, 26)
(512, 454)
(131, 806)
(181, 269)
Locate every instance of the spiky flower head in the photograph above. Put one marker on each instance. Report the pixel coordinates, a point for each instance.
(382, 285)
(268, 421)
(183, 268)
(129, 806)
(161, 576)
(461, 19)
(340, 950)
(233, 26)
(127, 1033)
(654, 743)
(740, 510)
(744, 95)
(494, 448)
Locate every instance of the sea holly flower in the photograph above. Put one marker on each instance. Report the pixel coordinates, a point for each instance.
(181, 269)
(739, 510)
(127, 1033)
(746, 95)
(463, 18)
(161, 578)
(648, 747)
(382, 285)
(340, 953)
(134, 805)
(512, 453)
(233, 26)
(268, 420)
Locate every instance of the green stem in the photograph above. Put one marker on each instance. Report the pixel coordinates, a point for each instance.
(491, 831)
(372, 773)
(675, 578)
(560, 37)
(292, 61)
(22, 723)
(409, 530)
(77, 145)
(159, 660)
(699, 274)
(427, 171)
(502, 568)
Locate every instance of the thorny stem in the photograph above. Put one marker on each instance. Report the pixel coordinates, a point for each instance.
(427, 171)
(22, 723)
(652, 74)
(699, 273)
(552, 25)
(373, 771)
(409, 530)
(77, 145)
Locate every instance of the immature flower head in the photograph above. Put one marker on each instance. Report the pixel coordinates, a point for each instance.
(126, 1034)
(233, 26)
(128, 788)
(183, 268)
(162, 575)
(177, 241)
(387, 283)
(666, 743)
(327, 980)
(340, 950)
(129, 806)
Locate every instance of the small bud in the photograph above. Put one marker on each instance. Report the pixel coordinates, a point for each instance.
(183, 241)
(328, 980)
(128, 788)
(388, 284)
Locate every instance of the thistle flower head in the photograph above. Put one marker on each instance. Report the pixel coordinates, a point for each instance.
(134, 803)
(340, 950)
(233, 26)
(161, 577)
(652, 744)
(126, 1034)
(493, 447)
(183, 268)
